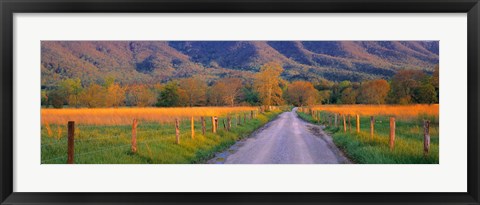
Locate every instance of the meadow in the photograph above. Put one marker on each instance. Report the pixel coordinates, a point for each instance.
(405, 112)
(125, 115)
(361, 148)
(103, 135)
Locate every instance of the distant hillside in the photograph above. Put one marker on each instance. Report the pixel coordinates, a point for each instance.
(159, 61)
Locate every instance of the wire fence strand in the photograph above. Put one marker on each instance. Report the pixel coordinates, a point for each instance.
(82, 140)
(88, 153)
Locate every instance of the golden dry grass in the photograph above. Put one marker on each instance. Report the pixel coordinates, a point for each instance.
(124, 116)
(399, 111)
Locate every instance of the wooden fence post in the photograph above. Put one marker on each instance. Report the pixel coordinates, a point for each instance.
(71, 142)
(372, 126)
(177, 131)
(214, 130)
(426, 137)
(192, 125)
(392, 133)
(239, 119)
(344, 124)
(358, 123)
(229, 123)
(134, 136)
(244, 118)
(251, 114)
(224, 125)
(203, 125)
(318, 117)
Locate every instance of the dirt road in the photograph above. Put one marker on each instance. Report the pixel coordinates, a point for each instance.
(285, 140)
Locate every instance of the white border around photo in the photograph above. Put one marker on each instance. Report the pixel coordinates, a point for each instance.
(450, 175)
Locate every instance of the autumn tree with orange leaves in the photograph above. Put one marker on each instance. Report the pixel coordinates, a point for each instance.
(140, 96)
(267, 84)
(266, 88)
(226, 91)
(115, 95)
(93, 96)
(373, 92)
(192, 91)
(301, 93)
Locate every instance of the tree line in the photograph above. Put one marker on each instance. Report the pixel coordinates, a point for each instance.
(267, 88)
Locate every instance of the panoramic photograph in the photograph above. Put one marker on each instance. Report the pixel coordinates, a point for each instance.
(239, 102)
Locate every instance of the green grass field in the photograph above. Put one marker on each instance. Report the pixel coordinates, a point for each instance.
(155, 142)
(360, 148)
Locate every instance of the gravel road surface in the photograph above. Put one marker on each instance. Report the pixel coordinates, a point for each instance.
(285, 140)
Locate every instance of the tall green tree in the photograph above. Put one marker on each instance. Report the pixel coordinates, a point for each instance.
(436, 80)
(71, 90)
(403, 85)
(56, 98)
(250, 96)
(169, 95)
(426, 94)
(44, 98)
(349, 96)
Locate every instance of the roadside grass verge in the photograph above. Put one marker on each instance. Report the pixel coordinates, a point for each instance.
(110, 144)
(361, 148)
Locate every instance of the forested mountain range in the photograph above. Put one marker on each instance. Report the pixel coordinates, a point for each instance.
(135, 62)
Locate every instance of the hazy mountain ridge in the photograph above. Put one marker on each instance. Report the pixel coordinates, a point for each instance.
(158, 61)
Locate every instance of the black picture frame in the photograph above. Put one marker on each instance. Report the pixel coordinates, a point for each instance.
(9, 7)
